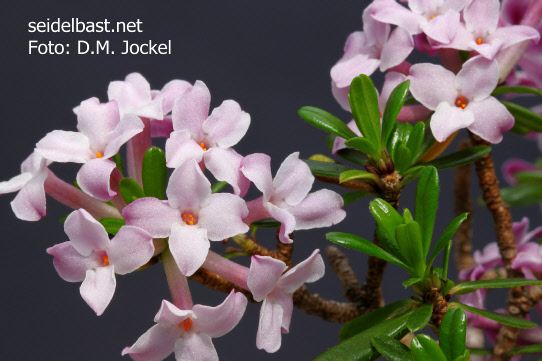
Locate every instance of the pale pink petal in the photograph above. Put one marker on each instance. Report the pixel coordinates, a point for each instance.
(70, 264)
(257, 168)
(15, 183)
(191, 109)
(96, 120)
(151, 214)
(463, 39)
(511, 35)
(134, 97)
(432, 84)
(130, 249)
(263, 275)
(293, 180)
(227, 124)
(286, 219)
(285, 300)
(532, 335)
(491, 119)
(512, 166)
(29, 203)
(534, 234)
(256, 211)
(488, 49)
(481, 16)
(391, 81)
(223, 216)
(392, 13)
(34, 163)
(345, 71)
(85, 233)
(377, 33)
(188, 188)
(218, 321)
(155, 344)
(322, 208)
(129, 126)
(477, 79)
(170, 92)
(529, 257)
(180, 147)
(195, 347)
(396, 49)
(520, 230)
(62, 146)
(355, 44)
(454, 5)
(189, 246)
(94, 179)
(224, 165)
(98, 288)
(341, 96)
(442, 28)
(310, 270)
(448, 119)
(489, 257)
(269, 336)
(171, 315)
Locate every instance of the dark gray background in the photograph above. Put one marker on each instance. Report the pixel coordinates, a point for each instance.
(272, 57)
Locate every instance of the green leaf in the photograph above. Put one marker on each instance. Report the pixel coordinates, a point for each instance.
(402, 157)
(364, 145)
(481, 351)
(529, 177)
(409, 242)
(518, 129)
(471, 286)
(447, 285)
(407, 216)
(368, 320)
(424, 348)
(330, 140)
(386, 217)
(428, 139)
(516, 90)
(410, 174)
(446, 260)
(461, 157)
(112, 225)
(525, 117)
(130, 190)
(266, 223)
(364, 104)
(499, 317)
(446, 236)
(393, 107)
(453, 333)
(118, 161)
(154, 173)
(525, 349)
(63, 218)
(230, 255)
(325, 169)
(411, 281)
(354, 196)
(399, 136)
(217, 187)
(363, 245)
(392, 349)
(464, 357)
(419, 318)
(358, 347)
(325, 121)
(358, 174)
(427, 194)
(522, 194)
(353, 155)
(415, 140)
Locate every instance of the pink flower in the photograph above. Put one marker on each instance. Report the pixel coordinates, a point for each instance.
(90, 257)
(267, 282)
(101, 134)
(188, 333)
(462, 100)
(287, 199)
(190, 217)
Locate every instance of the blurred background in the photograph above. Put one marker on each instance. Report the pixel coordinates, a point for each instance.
(270, 56)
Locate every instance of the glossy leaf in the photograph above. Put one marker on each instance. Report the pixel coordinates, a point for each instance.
(358, 174)
(410, 175)
(461, 157)
(499, 317)
(447, 285)
(411, 281)
(446, 236)
(364, 104)
(393, 107)
(471, 286)
(428, 140)
(526, 349)
(386, 217)
(464, 357)
(154, 173)
(363, 245)
(353, 155)
(354, 196)
(415, 140)
(217, 187)
(419, 318)
(112, 225)
(325, 169)
(427, 194)
(130, 190)
(516, 90)
(402, 157)
(534, 176)
(409, 242)
(399, 136)
(424, 348)
(446, 260)
(325, 121)
(266, 223)
(453, 333)
(392, 349)
(364, 145)
(525, 117)
(522, 194)
(368, 320)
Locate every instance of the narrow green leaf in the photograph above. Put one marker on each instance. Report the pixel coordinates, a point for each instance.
(230, 255)
(118, 161)
(480, 351)
(266, 223)
(354, 196)
(330, 140)
(392, 349)
(447, 285)
(499, 317)
(518, 129)
(424, 348)
(446, 260)
(364, 145)
(325, 121)
(357, 174)
(533, 176)
(368, 320)
(419, 318)
(411, 281)
(522, 194)
(325, 169)
(471, 286)
(409, 242)
(411, 174)
(393, 107)
(386, 217)
(154, 173)
(525, 349)
(427, 194)
(63, 218)
(453, 333)
(516, 90)
(402, 158)
(353, 155)
(400, 135)
(217, 187)
(363, 245)
(428, 139)
(446, 236)
(464, 357)
(525, 117)
(359, 347)
(364, 104)
(461, 157)
(407, 216)
(415, 140)
(130, 190)
(112, 225)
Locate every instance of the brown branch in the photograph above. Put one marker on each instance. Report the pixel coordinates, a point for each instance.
(353, 184)
(218, 283)
(463, 203)
(340, 264)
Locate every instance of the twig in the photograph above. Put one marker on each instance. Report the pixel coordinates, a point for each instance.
(340, 264)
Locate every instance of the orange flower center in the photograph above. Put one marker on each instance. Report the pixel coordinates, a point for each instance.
(106, 260)
(186, 324)
(461, 102)
(99, 155)
(479, 41)
(202, 145)
(188, 219)
(432, 17)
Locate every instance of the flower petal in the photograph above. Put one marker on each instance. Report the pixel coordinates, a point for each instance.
(224, 165)
(191, 109)
(257, 168)
(130, 249)
(322, 208)
(310, 270)
(339, 143)
(396, 49)
(218, 321)
(189, 246)
(491, 119)
(129, 126)
(285, 300)
(448, 119)
(98, 288)
(15, 183)
(85, 233)
(29, 204)
(477, 79)
(170, 92)
(391, 81)
(442, 28)
(155, 344)
(263, 275)
(227, 124)
(223, 216)
(269, 336)
(511, 35)
(432, 84)
(286, 219)
(151, 214)
(345, 71)
(70, 264)
(193, 346)
(171, 315)
(180, 147)
(529, 256)
(94, 179)
(188, 188)
(62, 146)
(293, 180)
(512, 166)
(482, 16)
(391, 12)
(134, 97)
(96, 120)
